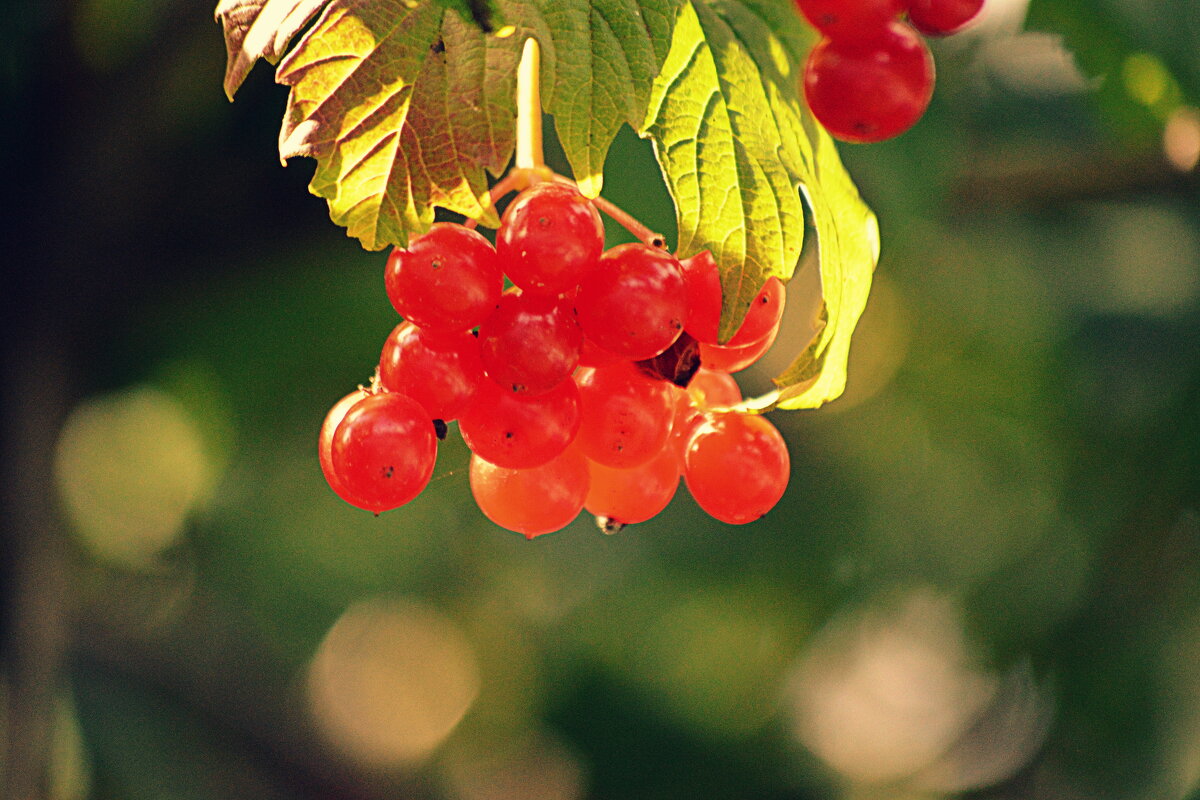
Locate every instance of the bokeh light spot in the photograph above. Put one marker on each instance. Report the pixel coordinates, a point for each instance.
(130, 467)
(391, 680)
(1181, 139)
(879, 696)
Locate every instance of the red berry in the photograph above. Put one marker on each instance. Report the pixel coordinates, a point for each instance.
(704, 295)
(870, 90)
(736, 358)
(383, 451)
(714, 389)
(850, 19)
(533, 501)
(633, 495)
(633, 302)
(625, 417)
(549, 236)
(708, 389)
(530, 343)
(687, 416)
(736, 466)
(520, 431)
(447, 280)
(593, 355)
(441, 371)
(325, 439)
(942, 17)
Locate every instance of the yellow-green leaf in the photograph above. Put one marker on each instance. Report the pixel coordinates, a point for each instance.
(257, 29)
(738, 148)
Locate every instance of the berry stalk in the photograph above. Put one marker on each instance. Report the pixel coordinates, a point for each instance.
(529, 108)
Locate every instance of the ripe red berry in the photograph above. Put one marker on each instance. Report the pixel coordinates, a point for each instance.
(441, 371)
(633, 495)
(714, 389)
(533, 501)
(447, 280)
(872, 89)
(549, 236)
(704, 303)
(728, 444)
(593, 355)
(383, 451)
(325, 440)
(708, 389)
(633, 301)
(521, 431)
(686, 418)
(942, 17)
(530, 343)
(736, 358)
(850, 19)
(625, 416)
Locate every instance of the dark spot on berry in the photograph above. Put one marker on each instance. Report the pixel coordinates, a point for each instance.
(676, 324)
(388, 470)
(609, 526)
(544, 222)
(475, 332)
(440, 429)
(518, 388)
(435, 264)
(508, 434)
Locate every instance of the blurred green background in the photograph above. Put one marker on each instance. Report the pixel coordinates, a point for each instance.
(982, 582)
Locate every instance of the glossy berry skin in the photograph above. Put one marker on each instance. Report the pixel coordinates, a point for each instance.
(533, 501)
(708, 389)
(593, 355)
(446, 280)
(549, 236)
(850, 19)
(530, 343)
(942, 17)
(873, 89)
(441, 371)
(728, 444)
(714, 389)
(625, 417)
(521, 431)
(633, 495)
(633, 302)
(325, 440)
(736, 358)
(704, 295)
(383, 451)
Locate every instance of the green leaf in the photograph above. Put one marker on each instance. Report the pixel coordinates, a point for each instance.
(405, 104)
(737, 145)
(602, 57)
(848, 242)
(409, 104)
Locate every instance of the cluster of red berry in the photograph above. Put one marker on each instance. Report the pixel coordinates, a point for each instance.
(594, 382)
(871, 76)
